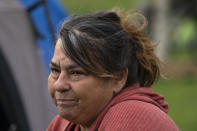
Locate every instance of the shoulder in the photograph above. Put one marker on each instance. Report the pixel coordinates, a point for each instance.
(58, 124)
(137, 115)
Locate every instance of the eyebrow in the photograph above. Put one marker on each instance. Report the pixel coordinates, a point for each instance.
(70, 66)
(54, 64)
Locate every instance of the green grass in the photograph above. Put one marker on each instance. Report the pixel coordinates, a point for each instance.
(87, 6)
(181, 95)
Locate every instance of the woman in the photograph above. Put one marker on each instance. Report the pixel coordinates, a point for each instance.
(101, 76)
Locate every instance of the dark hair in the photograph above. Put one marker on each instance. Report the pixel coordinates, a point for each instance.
(107, 42)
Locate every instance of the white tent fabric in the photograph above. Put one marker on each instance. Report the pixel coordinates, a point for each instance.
(18, 45)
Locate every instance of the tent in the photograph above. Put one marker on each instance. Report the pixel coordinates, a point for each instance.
(26, 46)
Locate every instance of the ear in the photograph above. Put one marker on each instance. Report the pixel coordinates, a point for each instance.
(120, 81)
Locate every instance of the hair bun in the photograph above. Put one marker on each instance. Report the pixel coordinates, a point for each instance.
(109, 15)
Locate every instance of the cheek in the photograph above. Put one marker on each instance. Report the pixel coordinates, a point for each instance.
(88, 92)
(50, 87)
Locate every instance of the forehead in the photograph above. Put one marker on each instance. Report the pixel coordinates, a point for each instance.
(60, 55)
(58, 49)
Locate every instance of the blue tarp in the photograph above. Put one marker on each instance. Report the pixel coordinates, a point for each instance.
(41, 22)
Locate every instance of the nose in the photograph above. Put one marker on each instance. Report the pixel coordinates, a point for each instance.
(62, 84)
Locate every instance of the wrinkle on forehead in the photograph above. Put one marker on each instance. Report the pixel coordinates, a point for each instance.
(60, 55)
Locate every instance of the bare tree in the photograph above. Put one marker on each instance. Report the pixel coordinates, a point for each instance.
(161, 27)
(157, 12)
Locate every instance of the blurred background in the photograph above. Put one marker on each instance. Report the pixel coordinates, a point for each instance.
(28, 31)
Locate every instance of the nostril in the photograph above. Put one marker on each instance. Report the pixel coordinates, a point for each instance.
(62, 85)
(63, 88)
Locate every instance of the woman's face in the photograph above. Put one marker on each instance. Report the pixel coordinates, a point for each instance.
(78, 95)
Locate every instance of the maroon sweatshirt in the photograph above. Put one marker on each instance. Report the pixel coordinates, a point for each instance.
(133, 109)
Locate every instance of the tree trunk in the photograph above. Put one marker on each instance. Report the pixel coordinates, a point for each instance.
(161, 28)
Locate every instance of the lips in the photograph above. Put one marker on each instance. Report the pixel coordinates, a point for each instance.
(66, 101)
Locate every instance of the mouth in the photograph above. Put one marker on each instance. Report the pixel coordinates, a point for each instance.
(66, 102)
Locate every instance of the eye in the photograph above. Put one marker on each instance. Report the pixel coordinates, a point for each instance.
(55, 72)
(76, 73)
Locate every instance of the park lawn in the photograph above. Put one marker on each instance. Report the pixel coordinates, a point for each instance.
(88, 6)
(181, 95)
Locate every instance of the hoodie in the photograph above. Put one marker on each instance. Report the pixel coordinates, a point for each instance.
(134, 109)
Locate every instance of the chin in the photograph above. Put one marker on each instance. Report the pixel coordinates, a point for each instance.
(65, 114)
